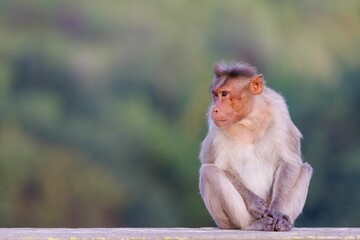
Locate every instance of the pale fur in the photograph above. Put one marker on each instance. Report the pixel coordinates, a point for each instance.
(254, 148)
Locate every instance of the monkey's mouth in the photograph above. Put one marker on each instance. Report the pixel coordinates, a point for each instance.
(221, 123)
(220, 120)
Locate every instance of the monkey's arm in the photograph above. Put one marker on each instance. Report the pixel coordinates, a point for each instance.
(207, 155)
(254, 204)
(285, 179)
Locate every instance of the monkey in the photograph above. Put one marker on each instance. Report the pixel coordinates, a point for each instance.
(252, 176)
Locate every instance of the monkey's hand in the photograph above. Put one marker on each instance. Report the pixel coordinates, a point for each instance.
(254, 204)
(282, 221)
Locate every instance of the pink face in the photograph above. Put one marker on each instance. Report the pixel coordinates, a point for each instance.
(226, 102)
(232, 101)
(222, 111)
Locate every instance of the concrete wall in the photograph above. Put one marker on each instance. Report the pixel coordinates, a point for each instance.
(172, 233)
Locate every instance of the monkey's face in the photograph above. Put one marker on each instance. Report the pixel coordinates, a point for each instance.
(231, 103)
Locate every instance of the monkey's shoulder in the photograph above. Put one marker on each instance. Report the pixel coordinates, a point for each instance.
(281, 126)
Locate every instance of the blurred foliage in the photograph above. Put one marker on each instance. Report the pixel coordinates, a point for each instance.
(103, 103)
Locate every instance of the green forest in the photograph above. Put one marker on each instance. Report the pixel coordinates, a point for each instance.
(103, 104)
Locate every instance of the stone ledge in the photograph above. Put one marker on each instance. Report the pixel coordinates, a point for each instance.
(172, 233)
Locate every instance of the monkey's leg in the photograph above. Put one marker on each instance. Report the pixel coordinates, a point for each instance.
(223, 202)
(296, 203)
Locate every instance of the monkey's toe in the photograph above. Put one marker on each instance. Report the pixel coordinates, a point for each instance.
(263, 224)
(283, 225)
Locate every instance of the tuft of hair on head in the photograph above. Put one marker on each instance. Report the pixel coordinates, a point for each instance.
(234, 69)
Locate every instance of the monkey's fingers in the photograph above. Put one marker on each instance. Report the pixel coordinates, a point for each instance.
(267, 213)
(258, 210)
(273, 214)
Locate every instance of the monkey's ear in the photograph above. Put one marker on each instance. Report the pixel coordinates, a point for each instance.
(219, 69)
(256, 85)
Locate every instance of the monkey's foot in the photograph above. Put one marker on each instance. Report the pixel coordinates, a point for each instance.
(263, 224)
(283, 225)
(282, 221)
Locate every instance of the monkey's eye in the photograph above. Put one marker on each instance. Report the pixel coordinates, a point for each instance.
(224, 93)
(215, 95)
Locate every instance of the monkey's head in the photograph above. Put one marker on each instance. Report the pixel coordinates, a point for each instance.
(233, 90)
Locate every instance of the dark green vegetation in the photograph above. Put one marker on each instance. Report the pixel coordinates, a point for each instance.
(103, 103)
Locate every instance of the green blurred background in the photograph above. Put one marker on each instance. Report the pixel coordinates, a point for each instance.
(103, 103)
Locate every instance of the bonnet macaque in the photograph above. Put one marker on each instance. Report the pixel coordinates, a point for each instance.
(252, 175)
